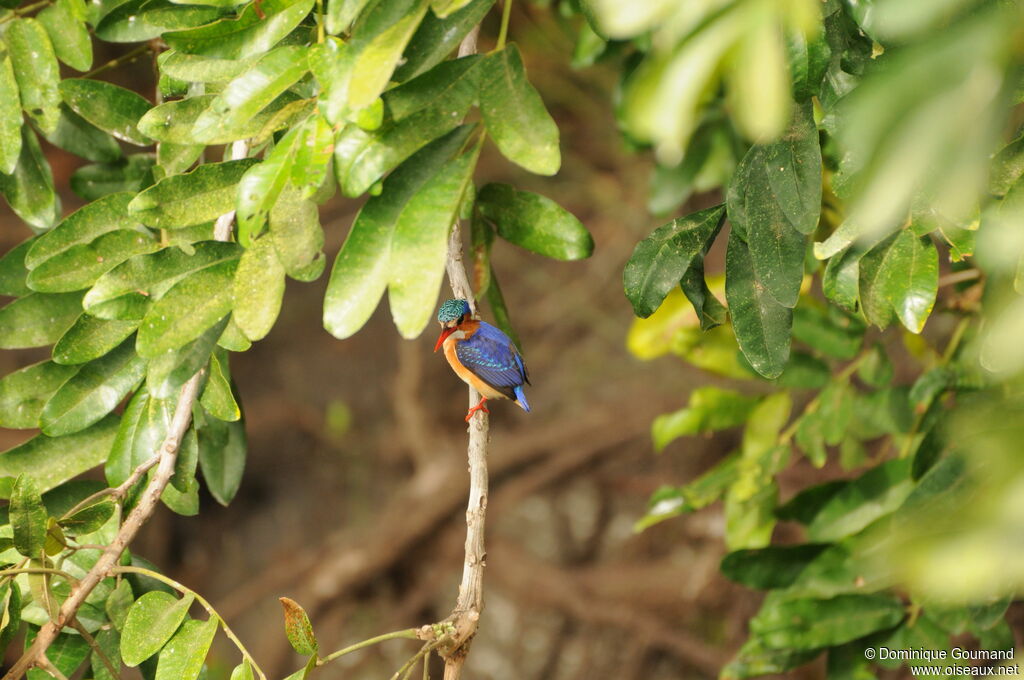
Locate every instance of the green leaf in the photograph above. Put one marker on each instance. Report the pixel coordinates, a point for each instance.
(515, 115)
(749, 520)
(534, 222)
(341, 14)
(67, 653)
(13, 271)
(419, 245)
(362, 268)
(93, 392)
(830, 333)
(130, 174)
(118, 604)
(900, 275)
(499, 309)
(76, 135)
(661, 260)
(774, 200)
(28, 517)
(259, 289)
(193, 305)
(38, 319)
(81, 265)
(811, 624)
(36, 70)
(297, 236)
(53, 460)
(243, 671)
(89, 519)
(83, 227)
(222, 448)
(111, 108)
(776, 566)
(90, 338)
(436, 38)
(151, 622)
(10, 116)
(204, 194)
(29, 191)
(710, 409)
(134, 282)
(24, 392)
(65, 24)
(313, 157)
(174, 121)
(876, 493)
(297, 628)
(379, 39)
(251, 92)
(192, 68)
(168, 372)
(217, 397)
(762, 325)
(109, 642)
(183, 656)
(670, 502)
(754, 659)
(141, 20)
(134, 423)
(245, 36)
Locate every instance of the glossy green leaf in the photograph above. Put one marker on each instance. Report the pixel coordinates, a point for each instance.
(13, 272)
(38, 319)
(193, 68)
(754, 659)
(710, 311)
(900, 275)
(245, 36)
(124, 455)
(151, 623)
(168, 372)
(76, 135)
(93, 392)
(82, 227)
(379, 39)
(250, 93)
(811, 624)
(90, 338)
(183, 656)
(515, 115)
(89, 519)
(36, 70)
(54, 460)
(174, 159)
(709, 409)
(222, 449)
(436, 38)
(776, 566)
(877, 492)
(444, 8)
(313, 156)
(331, 63)
(217, 397)
(419, 245)
(24, 392)
(361, 270)
(28, 517)
(341, 14)
(140, 20)
(243, 671)
(761, 324)
(29, 190)
(131, 174)
(204, 194)
(81, 265)
(193, 305)
(118, 604)
(259, 289)
(660, 260)
(111, 108)
(182, 494)
(65, 24)
(534, 222)
(10, 116)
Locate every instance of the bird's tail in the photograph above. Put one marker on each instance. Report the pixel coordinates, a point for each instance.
(521, 398)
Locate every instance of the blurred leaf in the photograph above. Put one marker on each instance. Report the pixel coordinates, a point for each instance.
(435, 38)
(1007, 166)
(670, 502)
(830, 334)
(749, 521)
(806, 505)
(24, 392)
(89, 519)
(188, 309)
(259, 289)
(183, 656)
(341, 14)
(76, 135)
(173, 121)
(10, 116)
(874, 494)
(111, 108)
(811, 624)
(38, 319)
(297, 236)
(900, 275)
(199, 69)
(222, 449)
(876, 369)
(82, 227)
(804, 372)
(36, 70)
(762, 325)
(204, 194)
(769, 568)
(28, 517)
(243, 671)
(93, 392)
(95, 181)
(808, 61)
(53, 460)
(151, 622)
(29, 190)
(90, 338)
(710, 409)
(234, 339)
(140, 20)
(499, 309)
(759, 78)
(217, 397)
(885, 411)
(298, 628)
(245, 36)
(13, 271)
(515, 115)
(534, 222)
(362, 268)
(168, 372)
(68, 33)
(663, 258)
(589, 47)
(755, 659)
(379, 39)
(419, 245)
(81, 265)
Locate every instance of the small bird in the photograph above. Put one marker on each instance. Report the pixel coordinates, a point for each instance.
(482, 355)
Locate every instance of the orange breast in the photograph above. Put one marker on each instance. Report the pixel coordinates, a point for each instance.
(467, 375)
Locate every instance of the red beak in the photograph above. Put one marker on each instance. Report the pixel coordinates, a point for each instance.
(445, 332)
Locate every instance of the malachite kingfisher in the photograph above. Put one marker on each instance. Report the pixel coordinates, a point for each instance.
(482, 355)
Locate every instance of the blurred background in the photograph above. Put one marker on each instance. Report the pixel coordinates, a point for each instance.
(353, 498)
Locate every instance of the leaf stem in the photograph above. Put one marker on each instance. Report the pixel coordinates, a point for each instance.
(320, 36)
(408, 634)
(126, 58)
(203, 602)
(506, 12)
(39, 570)
(22, 11)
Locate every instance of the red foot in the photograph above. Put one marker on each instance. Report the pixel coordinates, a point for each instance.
(478, 407)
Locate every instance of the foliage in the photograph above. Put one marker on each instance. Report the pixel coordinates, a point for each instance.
(856, 180)
(262, 111)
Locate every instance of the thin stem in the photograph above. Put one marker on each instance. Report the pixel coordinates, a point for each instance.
(506, 12)
(320, 35)
(813, 404)
(22, 11)
(40, 570)
(959, 277)
(405, 671)
(77, 625)
(47, 665)
(126, 58)
(118, 492)
(203, 602)
(407, 634)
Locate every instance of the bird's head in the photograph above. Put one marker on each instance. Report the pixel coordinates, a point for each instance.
(450, 315)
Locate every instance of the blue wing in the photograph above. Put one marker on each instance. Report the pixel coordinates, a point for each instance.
(493, 358)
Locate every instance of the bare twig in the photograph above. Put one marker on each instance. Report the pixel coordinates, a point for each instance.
(76, 624)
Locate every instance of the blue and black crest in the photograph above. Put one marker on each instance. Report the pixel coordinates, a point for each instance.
(451, 310)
